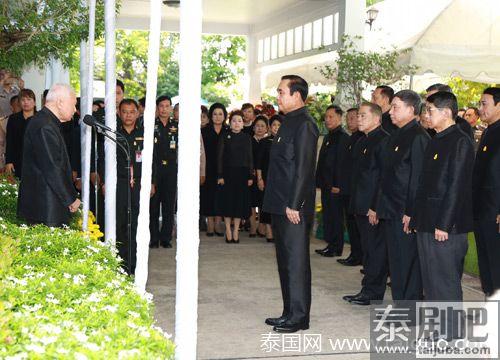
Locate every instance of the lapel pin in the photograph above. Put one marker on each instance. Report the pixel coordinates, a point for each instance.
(485, 148)
(396, 148)
(435, 156)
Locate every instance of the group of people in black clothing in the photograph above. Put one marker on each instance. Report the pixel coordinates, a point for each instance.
(409, 187)
(237, 161)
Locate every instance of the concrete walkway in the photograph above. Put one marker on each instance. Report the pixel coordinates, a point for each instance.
(239, 288)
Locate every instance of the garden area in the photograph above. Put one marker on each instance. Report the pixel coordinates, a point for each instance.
(63, 292)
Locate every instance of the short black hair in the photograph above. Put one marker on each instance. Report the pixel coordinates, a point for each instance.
(445, 100)
(247, 106)
(128, 102)
(261, 118)
(495, 92)
(439, 87)
(374, 108)
(120, 84)
(352, 109)
(204, 109)
(335, 108)
(45, 92)
(410, 98)
(296, 83)
(163, 98)
(387, 91)
(142, 101)
(14, 99)
(216, 106)
(274, 118)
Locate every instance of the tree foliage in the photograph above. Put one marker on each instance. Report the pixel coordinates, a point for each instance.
(222, 65)
(354, 70)
(31, 32)
(468, 92)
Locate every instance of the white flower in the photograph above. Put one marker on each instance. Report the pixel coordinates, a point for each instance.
(70, 310)
(38, 249)
(126, 354)
(49, 242)
(35, 348)
(51, 279)
(79, 356)
(65, 251)
(62, 351)
(80, 336)
(20, 356)
(94, 297)
(133, 314)
(3, 226)
(54, 329)
(111, 308)
(78, 279)
(92, 346)
(48, 340)
(67, 276)
(33, 308)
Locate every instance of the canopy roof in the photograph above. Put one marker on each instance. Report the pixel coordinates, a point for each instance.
(447, 37)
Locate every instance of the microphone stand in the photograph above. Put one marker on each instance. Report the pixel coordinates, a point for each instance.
(126, 151)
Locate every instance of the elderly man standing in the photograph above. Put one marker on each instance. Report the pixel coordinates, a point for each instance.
(289, 198)
(46, 192)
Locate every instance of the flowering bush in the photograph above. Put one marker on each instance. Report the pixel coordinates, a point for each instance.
(63, 295)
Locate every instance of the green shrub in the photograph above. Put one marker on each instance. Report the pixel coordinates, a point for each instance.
(65, 296)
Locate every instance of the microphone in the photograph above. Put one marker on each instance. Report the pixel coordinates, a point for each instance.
(92, 121)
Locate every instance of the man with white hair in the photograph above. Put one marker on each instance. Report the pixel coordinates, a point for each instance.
(46, 192)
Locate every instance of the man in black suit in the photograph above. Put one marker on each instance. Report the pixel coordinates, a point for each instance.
(443, 215)
(461, 122)
(366, 174)
(46, 193)
(486, 193)
(289, 198)
(347, 163)
(382, 96)
(328, 180)
(395, 202)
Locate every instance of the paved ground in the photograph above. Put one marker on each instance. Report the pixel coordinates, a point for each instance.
(239, 288)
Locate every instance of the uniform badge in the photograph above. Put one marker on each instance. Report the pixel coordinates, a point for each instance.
(485, 148)
(156, 140)
(396, 148)
(364, 151)
(229, 136)
(435, 156)
(327, 143)
(279, 139)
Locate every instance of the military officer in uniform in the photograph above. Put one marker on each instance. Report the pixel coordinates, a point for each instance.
(486, 193)
(328, 180)
(167, 134)
(134, 135)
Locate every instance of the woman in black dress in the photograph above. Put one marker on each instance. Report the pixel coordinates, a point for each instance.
(262, 168)
(260, 129)
(16, 126)
(211, 135)
(235, 171)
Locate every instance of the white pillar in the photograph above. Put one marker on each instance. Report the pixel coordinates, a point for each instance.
(143, 235)
(86, 131)
(110, 104)
(188, 238)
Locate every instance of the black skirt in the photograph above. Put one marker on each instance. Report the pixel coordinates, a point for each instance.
(256, 195)
(233, 198)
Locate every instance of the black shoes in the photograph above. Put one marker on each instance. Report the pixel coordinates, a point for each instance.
(276, 321)
(328, 252)
(362, 300)
(320, 251)
(270, 240)
(350, 261)
(210, 234)
(218, 233)
(166, 245)
(348, 298)
(288, 327)
(154, 245)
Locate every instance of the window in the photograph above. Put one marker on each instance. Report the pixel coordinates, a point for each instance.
(298, 39)
(328, 30)
(289, 42)
(260, 51)
(307, 37)
(336, 28)
(267, 48)
(317, 33)
(281, 44)
(274, 46)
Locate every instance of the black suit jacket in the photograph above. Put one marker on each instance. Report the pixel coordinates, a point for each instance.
(486, 178)
(387, 124)
(329, 161)
(403, 159)
(368, 154)
(46, 188)
(464, 126)
(292, 163)
(444, 195)
(347, 163)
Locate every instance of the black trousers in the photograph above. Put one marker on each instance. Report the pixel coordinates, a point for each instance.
(488, 248)
(292, 254)
(165, 196)
(404, 264)
(333, 220)
(374, 259)
(352, 230)
(442, 264)
(122, 222)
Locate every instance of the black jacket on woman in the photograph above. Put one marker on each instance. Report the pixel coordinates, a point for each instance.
(234, 150)
(16, 126)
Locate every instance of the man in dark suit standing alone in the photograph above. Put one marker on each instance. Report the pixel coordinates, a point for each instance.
(486, 193)
(289, 198)
(46, 193)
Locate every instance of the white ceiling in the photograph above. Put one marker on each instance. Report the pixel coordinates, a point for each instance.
(221, 11)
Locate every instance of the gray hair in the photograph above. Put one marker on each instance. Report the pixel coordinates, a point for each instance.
(59, 91)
